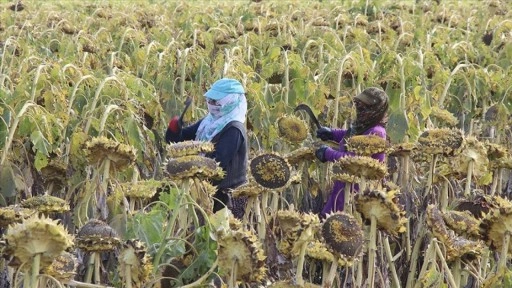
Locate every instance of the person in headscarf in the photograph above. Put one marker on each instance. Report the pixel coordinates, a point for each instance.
(224, 126)
(371, 119)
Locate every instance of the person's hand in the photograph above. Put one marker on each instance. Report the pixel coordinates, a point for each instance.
(320, 153)
(325, 133)
(175, 125)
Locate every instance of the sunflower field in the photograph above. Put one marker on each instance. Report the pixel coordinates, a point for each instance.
(91, 195)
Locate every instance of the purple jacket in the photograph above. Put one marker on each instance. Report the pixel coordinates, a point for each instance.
(336, 199)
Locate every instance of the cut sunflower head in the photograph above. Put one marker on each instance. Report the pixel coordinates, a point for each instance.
(193, 166)
(46, 204)
(300, 155)
(361, 167)
(366, 145)
(97, 236)
(443, 141)
(292, 128)
(241, 249)
(343, 235)
(384, 206)
(190, 147)
(38, 235)
(133, 256)
(270, 170)
(100, 148)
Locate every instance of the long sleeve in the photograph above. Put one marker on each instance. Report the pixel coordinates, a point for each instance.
(187, 133)
(333, 154)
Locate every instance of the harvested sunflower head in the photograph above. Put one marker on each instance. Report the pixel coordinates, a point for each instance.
(444, 116)
(361, 167)
(270, 170)
(300, 155)
(187, 148)
(133, 256)
(444, 141)
(46, 204)
(38, 235)
(100, 148)
(462, 222)
(343, 235)
(193, 166)
(241, 249)
(384, 206)
(97, 236)
(366, 145)
(292, 128)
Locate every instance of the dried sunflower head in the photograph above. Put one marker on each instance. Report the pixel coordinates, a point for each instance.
(444, 141)
(384, 206)
(360, 166)
(243, 249)
(291, 284)
(474, 151)
(46, 204)
(187, 148)
(193, 166)
(444, 116)
(63, 268)
(13, 214)
(292, 128)
(250, 189)
(343, 235)
(97, 236)
(402, 149)
(366, 145)
(54, 173)
(133, 256)
(202, 192)
(37, 235)
(300, 155)
(495, 225)
(100, 148)
(144, 189)
(270, 170)
(462, 222)
(457, 247)
(318, 250)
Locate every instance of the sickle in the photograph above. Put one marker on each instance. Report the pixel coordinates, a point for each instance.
(308, 110)
(188, 101)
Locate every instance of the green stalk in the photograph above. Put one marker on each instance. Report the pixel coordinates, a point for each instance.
(97, 270)
(430, 179)
(325, 272)
(128, 276)
(347, 206)
(332, 273)
(34, 83)
(90, 268)
(504, 252)
(457, 270)
(448, 83)
(444, 195)
(104, 117)
(96, 99)
(232, 278)
(286, 78)
(372, 251)
(183, 66)
(414, 259)
(302, 255)
(394, 276)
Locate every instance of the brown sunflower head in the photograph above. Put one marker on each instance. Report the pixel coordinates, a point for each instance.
(300, 155)
(46, 204)
(97, 236)
(443, 141)
(270, 170)
(193, 166)
(100, 148)
(366, 145)
(360, 167)
(343, 235)
(444, 116)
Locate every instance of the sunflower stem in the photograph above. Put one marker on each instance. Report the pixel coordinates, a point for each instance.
(347, 206)
(431, 173)
(504, 252)
(428, 258)
(128, 276)
(97, 263)
(90, 268)
(469, 176)
(372, 251)
(443, 199)
(447, 271)
(332, 273)
(325, 272)
(232, 278)
(35, 270)
(414, 258)
(457, 270)
(300, 263)
(387, 250)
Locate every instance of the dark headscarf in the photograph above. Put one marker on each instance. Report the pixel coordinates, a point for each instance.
(371, 109)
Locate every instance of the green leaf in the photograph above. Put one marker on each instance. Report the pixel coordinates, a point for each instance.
(40, 143)
(7, 183)
(40, 160)
(397, 126)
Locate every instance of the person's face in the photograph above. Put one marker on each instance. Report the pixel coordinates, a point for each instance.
(212, 102)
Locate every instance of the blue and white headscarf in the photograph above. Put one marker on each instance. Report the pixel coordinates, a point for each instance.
(232, 107)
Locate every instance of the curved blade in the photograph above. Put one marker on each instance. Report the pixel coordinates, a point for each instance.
(188, 101)
(308, 110)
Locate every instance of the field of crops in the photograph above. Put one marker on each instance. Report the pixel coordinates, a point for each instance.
(87, 89)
